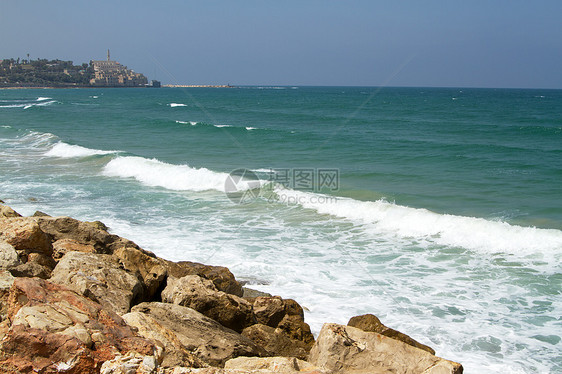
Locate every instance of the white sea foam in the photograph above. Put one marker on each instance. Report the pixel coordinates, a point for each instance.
(192, 123)
(443, 229)
(249, 128)
(155, 173)
(44, 98)
(64, 150)
(174, 105)
(220, 126)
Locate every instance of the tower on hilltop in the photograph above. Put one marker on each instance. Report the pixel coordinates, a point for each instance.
(108, 54)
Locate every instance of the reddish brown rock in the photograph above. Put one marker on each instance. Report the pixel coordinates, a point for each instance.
(54, 329)
(370, 323)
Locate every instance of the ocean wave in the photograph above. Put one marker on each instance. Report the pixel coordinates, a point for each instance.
(155, 173)
(249, 128)
(174, 105)
(64, 150)
(44, 98)
(471, 233)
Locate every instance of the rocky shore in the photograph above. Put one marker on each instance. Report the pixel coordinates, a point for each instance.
(76, 299)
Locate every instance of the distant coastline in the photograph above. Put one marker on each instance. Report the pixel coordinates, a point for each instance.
(198, 86)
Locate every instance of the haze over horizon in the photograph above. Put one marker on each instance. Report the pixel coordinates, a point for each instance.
(511, 44)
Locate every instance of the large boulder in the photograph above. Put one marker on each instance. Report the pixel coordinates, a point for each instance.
(201, 294)
(147, 268)
(370, 323)
(221, 277)
(54, 329)
(174, 352)
(346, 349)
(211, 342)
(99, 278)
(62, 246)
(24, 234)
(84, 233)
(287, 317)
(276, 341)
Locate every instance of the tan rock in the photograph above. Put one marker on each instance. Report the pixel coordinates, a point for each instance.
(31, 269)
(132, 362)
(7, 212)
(200, 294)
(269, 310)
(62, 246)
(283, 365)
(222, 278)
(296, 329)
(147, 267)
(370, 323)
(99, 278)
(23, 233)
(82, 232)
(174, 352)
(200, 335)
(276, 341)
(6, 281)
(8, 256)
(55, 329)
(346, 349)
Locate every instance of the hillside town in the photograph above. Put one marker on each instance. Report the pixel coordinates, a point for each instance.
(61, 74)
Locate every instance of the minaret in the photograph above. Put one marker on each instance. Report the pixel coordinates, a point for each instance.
(108, 55)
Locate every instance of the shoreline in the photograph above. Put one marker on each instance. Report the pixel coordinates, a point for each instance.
(81, 269)
(163, 86)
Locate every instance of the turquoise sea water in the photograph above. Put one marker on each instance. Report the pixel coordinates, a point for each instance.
(443, 218)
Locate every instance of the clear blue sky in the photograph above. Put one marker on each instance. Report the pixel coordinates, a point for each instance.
(493, 43)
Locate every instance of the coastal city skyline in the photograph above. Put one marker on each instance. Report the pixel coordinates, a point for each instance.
(440, 44)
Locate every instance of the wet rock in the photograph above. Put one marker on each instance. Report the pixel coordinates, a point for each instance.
(370, 323)
(99, 278)
(346, 349)
(200, 294)
(203, 337)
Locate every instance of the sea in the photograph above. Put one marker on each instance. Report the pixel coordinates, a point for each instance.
(437, 209)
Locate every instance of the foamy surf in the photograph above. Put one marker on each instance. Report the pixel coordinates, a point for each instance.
(471, 233)
(175, 105)
(155, 173)
(64, 150)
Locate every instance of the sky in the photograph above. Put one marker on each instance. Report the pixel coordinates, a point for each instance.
(447, 43)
